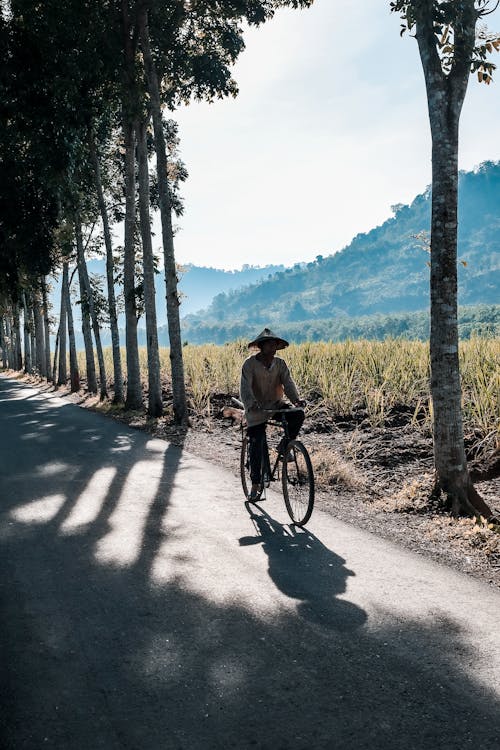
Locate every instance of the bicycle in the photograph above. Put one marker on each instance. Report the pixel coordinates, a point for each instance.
(297, 477)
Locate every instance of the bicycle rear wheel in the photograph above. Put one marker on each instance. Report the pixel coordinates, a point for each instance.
(246, 482)
(298, 483)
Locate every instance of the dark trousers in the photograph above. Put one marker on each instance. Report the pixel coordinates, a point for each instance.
(256, 436)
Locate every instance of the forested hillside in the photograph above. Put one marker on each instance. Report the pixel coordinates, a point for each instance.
(382, 272)
(198, 285)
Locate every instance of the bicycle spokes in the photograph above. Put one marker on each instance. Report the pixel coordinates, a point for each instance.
(298, 483)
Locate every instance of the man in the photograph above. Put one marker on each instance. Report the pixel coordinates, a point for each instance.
(265, 379)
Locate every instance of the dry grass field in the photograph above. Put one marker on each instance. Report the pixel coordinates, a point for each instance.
(340, 380)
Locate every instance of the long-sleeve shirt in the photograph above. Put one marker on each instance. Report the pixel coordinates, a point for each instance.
(265, 387)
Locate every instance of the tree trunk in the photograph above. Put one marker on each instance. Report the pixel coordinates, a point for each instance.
(18, 357)
(172, 296)
(155, 405)
(84, 305)
(113, 318)
(74, 373)
(445, 96)
(39, 336)
(46, 326)
(8, 342)
(28, 365)
(62, 376)
(134, 386)
(56, 354)
(3, 342)
(89, 303)
(32, 332)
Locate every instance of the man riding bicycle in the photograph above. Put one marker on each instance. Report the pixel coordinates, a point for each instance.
(265, 379)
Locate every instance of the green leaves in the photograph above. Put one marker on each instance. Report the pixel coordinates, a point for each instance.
(451, 20)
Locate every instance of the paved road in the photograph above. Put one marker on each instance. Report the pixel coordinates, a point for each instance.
(145, 608)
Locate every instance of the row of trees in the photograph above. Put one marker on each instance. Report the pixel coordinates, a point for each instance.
(83, 88)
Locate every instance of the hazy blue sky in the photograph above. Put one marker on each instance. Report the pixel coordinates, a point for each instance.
(328, 131)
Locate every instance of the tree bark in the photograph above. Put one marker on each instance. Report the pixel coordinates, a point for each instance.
(172, 296)
(155, 404)
(62, 376)
(8, 342)
(74, 373)
(56, 354)
(134, 386)
(3, 342)
(445, 96)
(39, 335)
(28, 365)
(32, 332)
(113, 318)
(84, 305)
(46, 327)
(89, 303)
(18, 357)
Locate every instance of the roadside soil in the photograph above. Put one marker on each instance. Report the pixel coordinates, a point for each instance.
(376, 478)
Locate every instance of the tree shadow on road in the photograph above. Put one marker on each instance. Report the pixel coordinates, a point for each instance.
(99, 654)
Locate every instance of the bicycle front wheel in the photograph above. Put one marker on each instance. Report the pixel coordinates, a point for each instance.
(298, 483)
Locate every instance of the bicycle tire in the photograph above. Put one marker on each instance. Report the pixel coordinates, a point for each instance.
(246, 482)
(298, 483)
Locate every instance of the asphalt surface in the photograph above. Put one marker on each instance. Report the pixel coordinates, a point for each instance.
(144, 606)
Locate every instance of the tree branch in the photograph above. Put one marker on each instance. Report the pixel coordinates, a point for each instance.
(489, 12)
(426, 39)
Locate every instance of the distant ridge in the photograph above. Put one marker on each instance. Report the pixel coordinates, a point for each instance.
(382, 272)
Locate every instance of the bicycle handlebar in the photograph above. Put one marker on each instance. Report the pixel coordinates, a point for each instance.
(282, 411)
(268, 411)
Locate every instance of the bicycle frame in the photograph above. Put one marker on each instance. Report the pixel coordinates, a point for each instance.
(282, 422)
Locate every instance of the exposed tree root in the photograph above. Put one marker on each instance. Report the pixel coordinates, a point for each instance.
(465, 500)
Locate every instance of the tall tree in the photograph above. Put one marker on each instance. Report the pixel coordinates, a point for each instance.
(449, 50)
(46, 327)
(155, 404)
(85, 313)
(62, 376)
(129, 112)
(89, 313)
(110, 275)
(28, 366)
(74, 373)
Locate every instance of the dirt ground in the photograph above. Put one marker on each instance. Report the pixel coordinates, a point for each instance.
(378, 479)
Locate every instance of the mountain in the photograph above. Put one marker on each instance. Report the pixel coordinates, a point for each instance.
(384, 271)
(198, 286)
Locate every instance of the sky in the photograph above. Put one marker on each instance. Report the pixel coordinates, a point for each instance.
(330, 129)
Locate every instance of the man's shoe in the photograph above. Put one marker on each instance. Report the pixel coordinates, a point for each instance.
(282, 446)
(254, 495)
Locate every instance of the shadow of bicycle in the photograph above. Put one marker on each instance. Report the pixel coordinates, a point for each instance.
(304, 569)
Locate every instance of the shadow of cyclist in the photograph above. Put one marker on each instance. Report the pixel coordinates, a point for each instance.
(304, 569)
